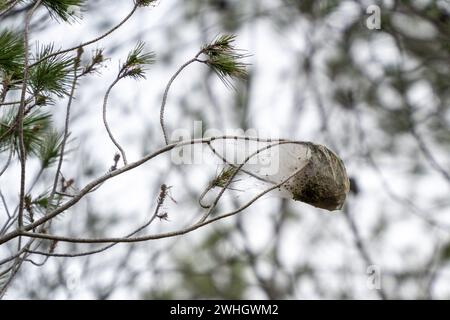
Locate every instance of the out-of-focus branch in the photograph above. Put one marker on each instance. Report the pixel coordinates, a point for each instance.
(428, 154)
(9, 6)
(359, 244)
(414, 209)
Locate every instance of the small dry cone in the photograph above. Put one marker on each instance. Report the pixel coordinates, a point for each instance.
(323, 181)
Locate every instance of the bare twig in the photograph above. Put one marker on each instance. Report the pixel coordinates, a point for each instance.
(161, 235)
(361, 247)
(233, 175)
(66, 125)
(5, 204)
(166, 92)
(12, 103)
(14, 268)
(90, 252)
(213, 184)
(8, 161)
(21, 114)
(119, 171)
(105, 122)
(428, 154)
(84, 44)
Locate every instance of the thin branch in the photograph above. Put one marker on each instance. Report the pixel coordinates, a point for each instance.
(14, 216)
(9, 216)
(12, 257)
(225, 161)
(8, 161)
(166, 92)
(16, 121)
(233, 175)
(5, 204)
(87, 253)
(105, 103)
(8, 223)
(91, 41)
(15, 267)
(361, 247)
(242, 169)
(161, 235)
(414, 209)
(428, 154)
(66, 125)
(13, 102)
(21, 114)
(119, 171)
(17, 263)
(11, 4)
(266, 284)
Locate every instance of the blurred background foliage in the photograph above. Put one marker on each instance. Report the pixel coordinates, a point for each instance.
(379, 98)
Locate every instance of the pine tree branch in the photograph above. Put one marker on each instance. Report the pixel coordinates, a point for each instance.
(22, 154)
(222, 58)
(10, 5)
(14, 268)
(166, 92)
(21, 113)
(96, 182)
(359, 244)
(14, 102)
(66, 124)
(105, 122)
(84, 44)
(161, 235)
(91, 252)
(8, 161)
(133, 67)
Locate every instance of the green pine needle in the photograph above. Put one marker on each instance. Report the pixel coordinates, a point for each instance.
(53, 75)
(144, 3)
(222, 179)
(35, 127)
(225, 59)
(66, 10)
(42, 203)
(36, 124)
(49, 149)
(11, 52)
(136, 62)
(227, 66)
(96, 61)
(221, 44)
